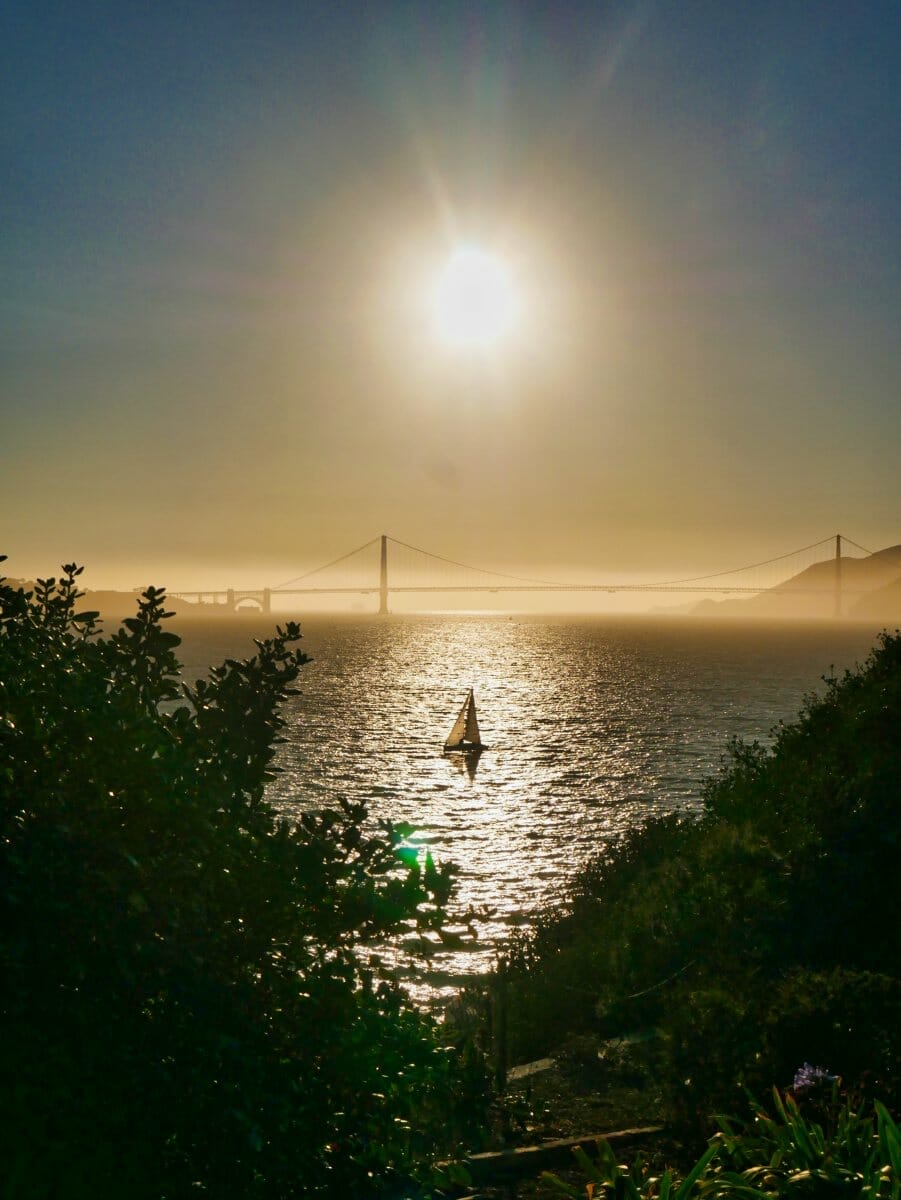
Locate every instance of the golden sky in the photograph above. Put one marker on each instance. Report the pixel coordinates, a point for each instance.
(223, 228)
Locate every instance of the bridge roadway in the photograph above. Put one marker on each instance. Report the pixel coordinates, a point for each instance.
(262, 597)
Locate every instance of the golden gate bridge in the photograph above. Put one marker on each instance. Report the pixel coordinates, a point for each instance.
(409, 569)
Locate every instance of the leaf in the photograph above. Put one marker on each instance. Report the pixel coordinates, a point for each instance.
(592, 1169)
(558, 1185)
(696, 1172)
(889, 1137)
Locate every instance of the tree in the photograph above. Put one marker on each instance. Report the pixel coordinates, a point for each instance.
(185, 1010)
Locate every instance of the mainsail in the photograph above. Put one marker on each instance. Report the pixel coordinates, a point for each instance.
(465, 733)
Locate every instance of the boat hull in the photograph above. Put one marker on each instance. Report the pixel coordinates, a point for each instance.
(467, 748)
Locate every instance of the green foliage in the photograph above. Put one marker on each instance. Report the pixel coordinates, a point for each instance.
(597, 944)
(763, 933)
(606, 1176)
(848, 1018)
(184, 1009)
(852, 1152)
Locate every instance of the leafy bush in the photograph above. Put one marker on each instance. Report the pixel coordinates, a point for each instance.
(592, 947)
(849, 1019)
(184, 1010)
(762, 932)
(853, 1152)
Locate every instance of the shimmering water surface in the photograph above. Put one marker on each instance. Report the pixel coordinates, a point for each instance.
(591, 726)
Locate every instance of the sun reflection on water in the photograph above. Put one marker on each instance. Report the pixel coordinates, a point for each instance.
(591, 727)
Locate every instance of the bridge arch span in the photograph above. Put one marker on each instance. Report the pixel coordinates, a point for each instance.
(249, 600)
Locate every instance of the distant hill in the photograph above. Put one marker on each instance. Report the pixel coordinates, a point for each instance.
(882, 604)
(871, 590)
(114, 606)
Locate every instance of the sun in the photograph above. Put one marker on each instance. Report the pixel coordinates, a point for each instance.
(474, 301)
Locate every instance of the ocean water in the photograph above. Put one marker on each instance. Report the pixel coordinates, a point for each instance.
(591, 726)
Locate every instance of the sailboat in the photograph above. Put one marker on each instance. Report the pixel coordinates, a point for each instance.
(464, 735)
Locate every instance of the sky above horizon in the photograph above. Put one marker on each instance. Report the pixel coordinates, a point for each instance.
(221, 220)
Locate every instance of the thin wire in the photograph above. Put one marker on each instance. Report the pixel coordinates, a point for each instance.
(749, 567)
(669, 582)
(886, 557)
(325, 566)
(467, 567)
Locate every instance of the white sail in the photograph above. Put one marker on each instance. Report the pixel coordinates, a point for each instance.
(465, 731)
(472, 724)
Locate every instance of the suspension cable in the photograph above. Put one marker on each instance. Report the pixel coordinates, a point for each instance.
(325, 566)
(665, 583)
(467, 567)
(885, 555)
(856, 545)
(549, 583)
(749, 567)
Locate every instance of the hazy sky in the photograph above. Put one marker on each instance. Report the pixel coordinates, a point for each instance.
(220, 222)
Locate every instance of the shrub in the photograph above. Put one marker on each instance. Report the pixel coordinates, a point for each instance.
(848, 1019)
(184, 1010)
(768, 919)
(855, 1151)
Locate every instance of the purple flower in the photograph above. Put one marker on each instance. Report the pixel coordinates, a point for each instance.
(808, 1077)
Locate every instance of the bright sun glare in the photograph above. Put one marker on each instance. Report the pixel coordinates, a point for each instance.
(474, 302)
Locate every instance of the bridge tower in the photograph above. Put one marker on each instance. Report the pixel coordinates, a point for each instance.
(838, 575)
(383, 577)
